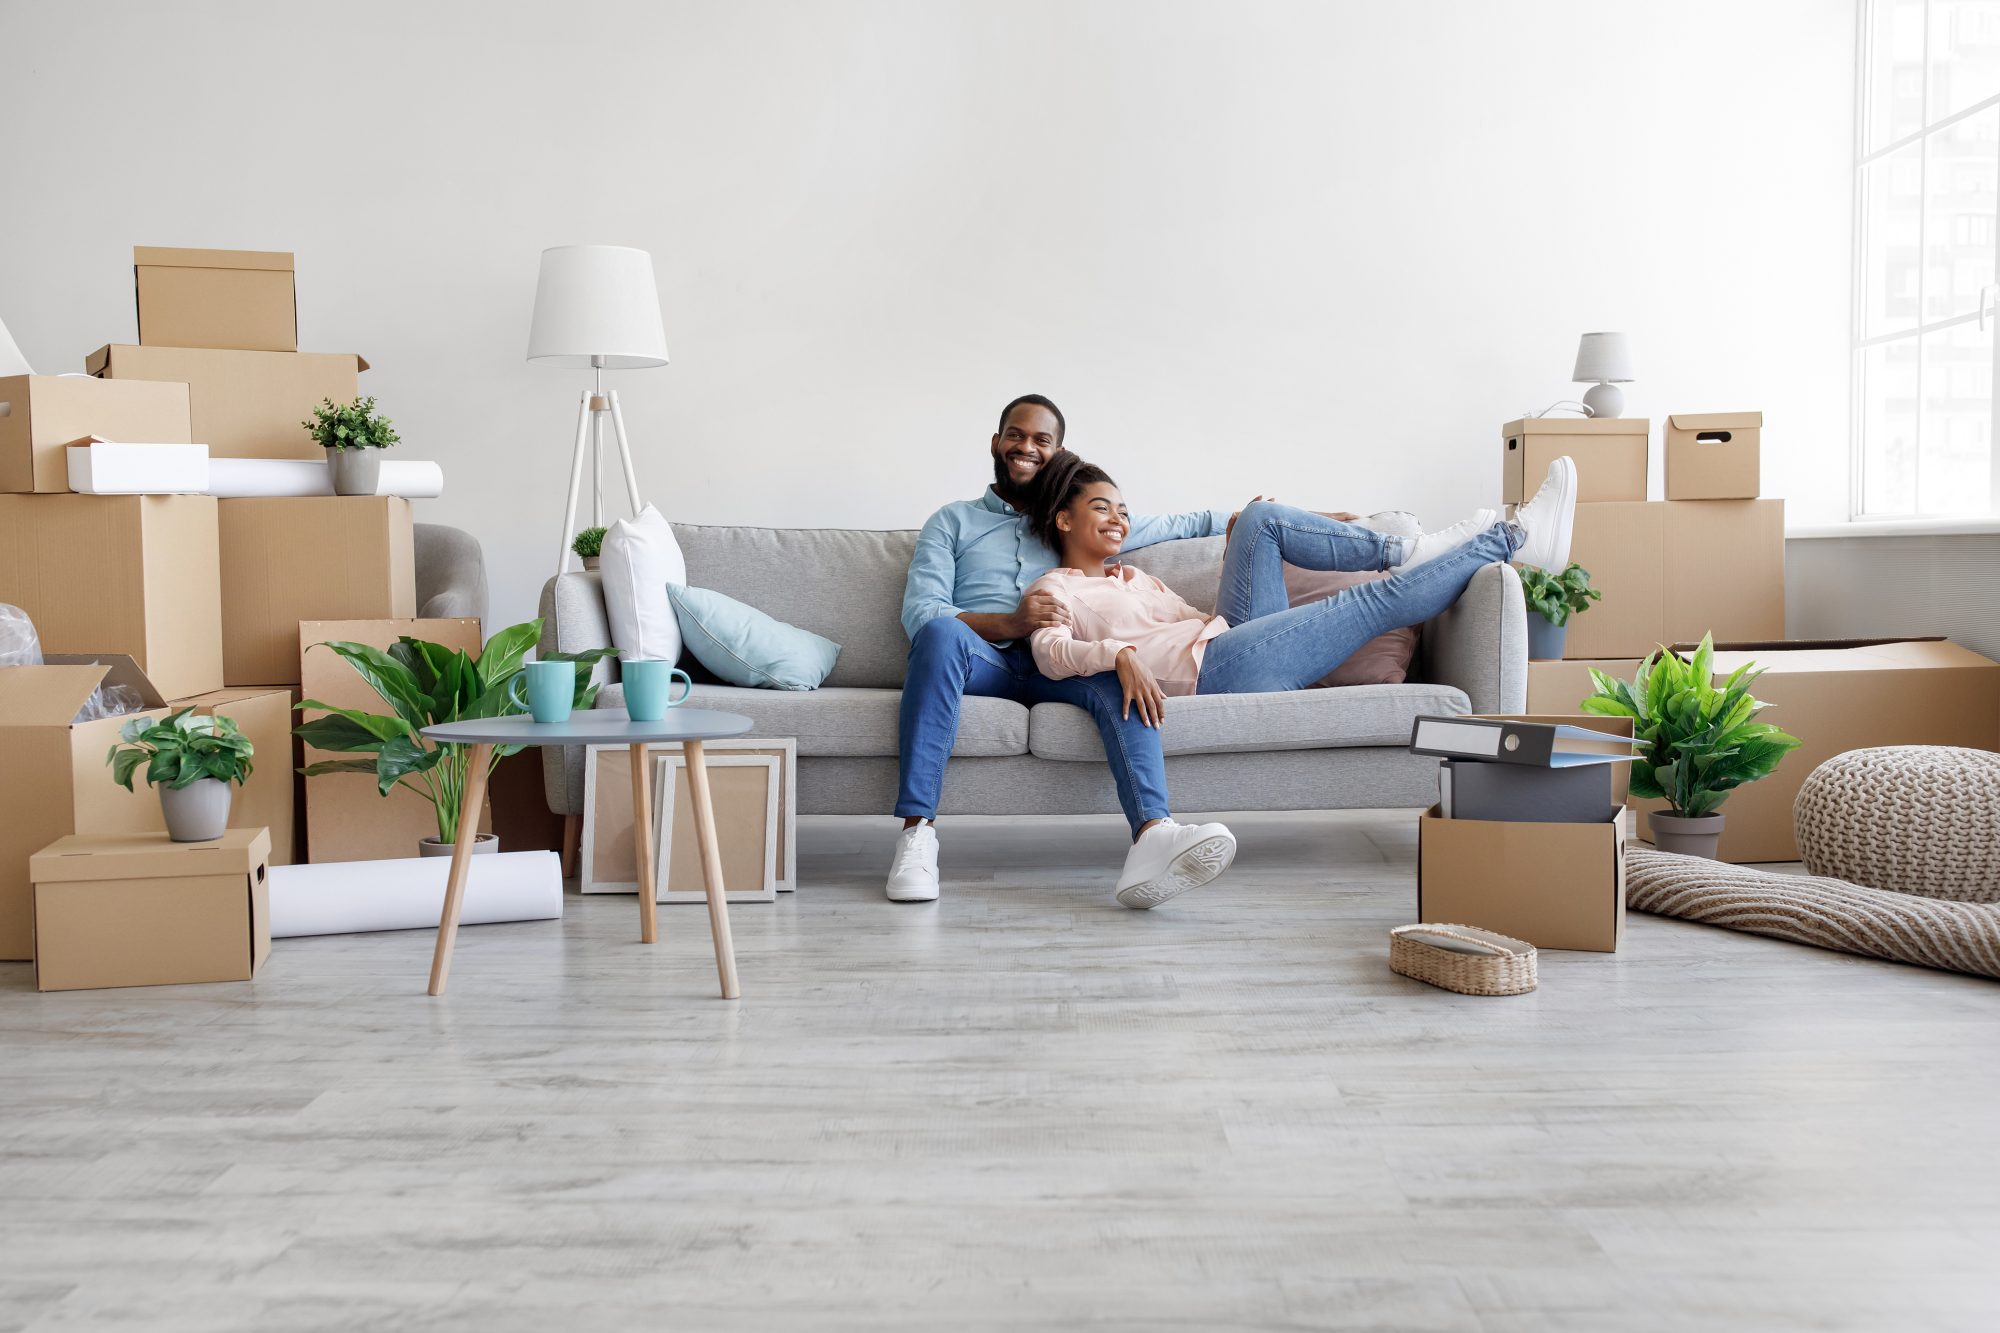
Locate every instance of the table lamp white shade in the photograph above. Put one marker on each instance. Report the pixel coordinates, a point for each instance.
(597, 305)
(1604, 358)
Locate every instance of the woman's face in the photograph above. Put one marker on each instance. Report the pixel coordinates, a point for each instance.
(1094, 526)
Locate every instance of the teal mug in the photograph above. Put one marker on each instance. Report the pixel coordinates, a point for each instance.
(551, 690)
(649, 685)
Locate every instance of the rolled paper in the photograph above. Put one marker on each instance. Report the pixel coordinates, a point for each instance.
(240, 478)
(352, 897)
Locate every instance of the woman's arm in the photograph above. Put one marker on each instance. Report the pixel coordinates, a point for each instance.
(1059, 654)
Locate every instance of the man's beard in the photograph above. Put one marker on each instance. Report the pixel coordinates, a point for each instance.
(1004, 485)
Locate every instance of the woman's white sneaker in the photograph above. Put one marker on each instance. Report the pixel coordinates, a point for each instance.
(1548, 519)
(913, 876)
(1169, 859)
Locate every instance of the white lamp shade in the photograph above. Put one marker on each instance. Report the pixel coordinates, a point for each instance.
(1604, 358)
(597, 301)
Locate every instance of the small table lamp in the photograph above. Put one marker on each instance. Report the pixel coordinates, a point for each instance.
(597, 306)
(1604, 360)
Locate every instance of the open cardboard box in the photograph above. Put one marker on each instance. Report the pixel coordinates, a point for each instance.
(241, 404)
(285, 561)
(1610, 454)
(41, 414)
(243, 299)
(1673, 570)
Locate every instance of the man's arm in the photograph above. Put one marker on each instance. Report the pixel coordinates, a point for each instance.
(1151, 529)
(933, 581)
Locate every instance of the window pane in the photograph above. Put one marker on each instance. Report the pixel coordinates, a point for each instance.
(1889, 428)
(1957, 427)
(1965, 54)
(1892, 198)
(1959, 181)
(1896, 70)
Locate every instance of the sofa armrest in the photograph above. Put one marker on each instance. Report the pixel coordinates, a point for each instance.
(1480, 644)
(573, 621)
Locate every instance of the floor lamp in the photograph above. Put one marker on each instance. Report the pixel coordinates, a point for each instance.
(596, 306)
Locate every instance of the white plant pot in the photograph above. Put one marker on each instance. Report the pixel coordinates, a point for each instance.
(198, 812)
(485, 844)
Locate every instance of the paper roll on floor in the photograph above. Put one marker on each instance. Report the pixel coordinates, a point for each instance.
(244, 478)
(352, 897)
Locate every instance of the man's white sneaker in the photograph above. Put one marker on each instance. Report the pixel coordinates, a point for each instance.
(1169, 859)
(1548, 520)
(913, 876)
(1431, 545)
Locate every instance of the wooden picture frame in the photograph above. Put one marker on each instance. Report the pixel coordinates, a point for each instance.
(604, 852)
(744, 794)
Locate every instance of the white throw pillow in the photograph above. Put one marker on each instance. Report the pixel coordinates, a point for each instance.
(639, 559)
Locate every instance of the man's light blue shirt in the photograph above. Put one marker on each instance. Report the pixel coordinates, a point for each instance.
(979, 555)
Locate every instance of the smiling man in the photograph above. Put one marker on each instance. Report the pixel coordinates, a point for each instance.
(968, 613)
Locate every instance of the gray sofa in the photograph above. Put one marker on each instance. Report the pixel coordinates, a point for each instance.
(1307, 750)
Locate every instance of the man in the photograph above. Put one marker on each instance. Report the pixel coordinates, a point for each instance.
(968, 620)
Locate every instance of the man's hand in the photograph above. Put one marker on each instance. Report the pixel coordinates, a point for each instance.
(1141, 688)
(1340, 516)
(1039, 610)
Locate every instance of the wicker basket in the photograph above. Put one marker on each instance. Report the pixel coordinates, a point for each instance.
(1465, 959)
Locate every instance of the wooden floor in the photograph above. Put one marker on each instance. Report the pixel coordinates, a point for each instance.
(1022, 1107)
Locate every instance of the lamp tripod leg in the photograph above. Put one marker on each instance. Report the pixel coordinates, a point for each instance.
(575, 482)
(625, 454)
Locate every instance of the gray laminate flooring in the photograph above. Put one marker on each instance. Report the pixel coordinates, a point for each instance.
(1022, 1107)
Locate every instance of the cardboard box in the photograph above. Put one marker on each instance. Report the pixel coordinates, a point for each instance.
(1557, 886)
(1559, 687)
(266, 799)
(1610, 454)
(54, 780)
(104, 467)
(1840, 695)
(347, 819)
(334, 557)
(135, 574)
(40, 414)
(241, 404)
(138, 909)
(1673, 570)
(216, 298)
(1714, 455)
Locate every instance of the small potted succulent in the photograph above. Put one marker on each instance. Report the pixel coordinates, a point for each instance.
(1552, 600)
(192, 760)
(589, 544)
(1699, 741)
(353, 435)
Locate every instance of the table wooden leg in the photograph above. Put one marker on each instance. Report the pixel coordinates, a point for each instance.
(642, 841)
(473, 797)
(711, 868)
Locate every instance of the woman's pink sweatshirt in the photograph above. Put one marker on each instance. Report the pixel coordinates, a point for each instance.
(1128, 609)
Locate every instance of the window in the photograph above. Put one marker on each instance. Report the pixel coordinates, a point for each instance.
(1927, 173)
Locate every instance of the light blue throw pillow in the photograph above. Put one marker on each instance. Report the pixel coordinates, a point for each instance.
(743, 646)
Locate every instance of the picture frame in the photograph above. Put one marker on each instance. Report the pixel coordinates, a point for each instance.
(743, 791)
(605, 858)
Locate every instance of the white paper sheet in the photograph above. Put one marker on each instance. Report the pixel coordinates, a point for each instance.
(240, 478)
(350, 897)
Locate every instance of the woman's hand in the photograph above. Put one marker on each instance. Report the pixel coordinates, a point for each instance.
(1141, 688)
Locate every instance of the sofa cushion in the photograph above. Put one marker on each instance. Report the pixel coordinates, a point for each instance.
(1239, 723)
(855, 723)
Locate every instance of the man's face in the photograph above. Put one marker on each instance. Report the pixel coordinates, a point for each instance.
(1026, 441)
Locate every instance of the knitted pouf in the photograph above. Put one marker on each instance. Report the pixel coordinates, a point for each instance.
(1922, 819)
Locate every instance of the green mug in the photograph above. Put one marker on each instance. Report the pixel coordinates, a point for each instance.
(551, 690)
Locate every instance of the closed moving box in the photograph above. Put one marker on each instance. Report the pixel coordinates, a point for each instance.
(1672, 571)
(1845, 695)
(135, 574)
(1610, 454)
(332, 557)
(242, 404)
(216, 298)
(1714, 455)
(139, 909)
(40, 414)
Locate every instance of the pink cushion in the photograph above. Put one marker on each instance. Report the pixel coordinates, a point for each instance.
(1384, 659)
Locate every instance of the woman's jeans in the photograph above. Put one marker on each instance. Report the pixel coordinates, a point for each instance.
(949, 661)
(1271, 646)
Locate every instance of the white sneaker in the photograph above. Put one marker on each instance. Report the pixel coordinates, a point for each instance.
(1431, 545)
(1548, 519)
(1169, 859)
(913, 876)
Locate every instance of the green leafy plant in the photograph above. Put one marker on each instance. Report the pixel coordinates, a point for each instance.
(355, 425)
(589, 542)
(425, 684)
(180, 750)
(1700, 739)
(1558, 596)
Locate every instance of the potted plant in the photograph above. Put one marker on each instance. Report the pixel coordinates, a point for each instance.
(1699, 741)
(424, 684)
(192, 760)
(1552, 600)
(353, 434)
(590, 545)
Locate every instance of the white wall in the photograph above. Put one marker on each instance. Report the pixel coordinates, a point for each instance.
(1317, 250)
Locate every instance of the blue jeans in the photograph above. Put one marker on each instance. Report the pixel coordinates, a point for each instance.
(1271, 646)
(949, 661)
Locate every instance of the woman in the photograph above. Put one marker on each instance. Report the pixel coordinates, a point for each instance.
(1126, 621)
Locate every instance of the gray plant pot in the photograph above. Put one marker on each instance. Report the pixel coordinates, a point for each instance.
(198, 812)
(1687, 837)
(482, 845)
(1545, 641)
(354, 471)
(590, 561)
